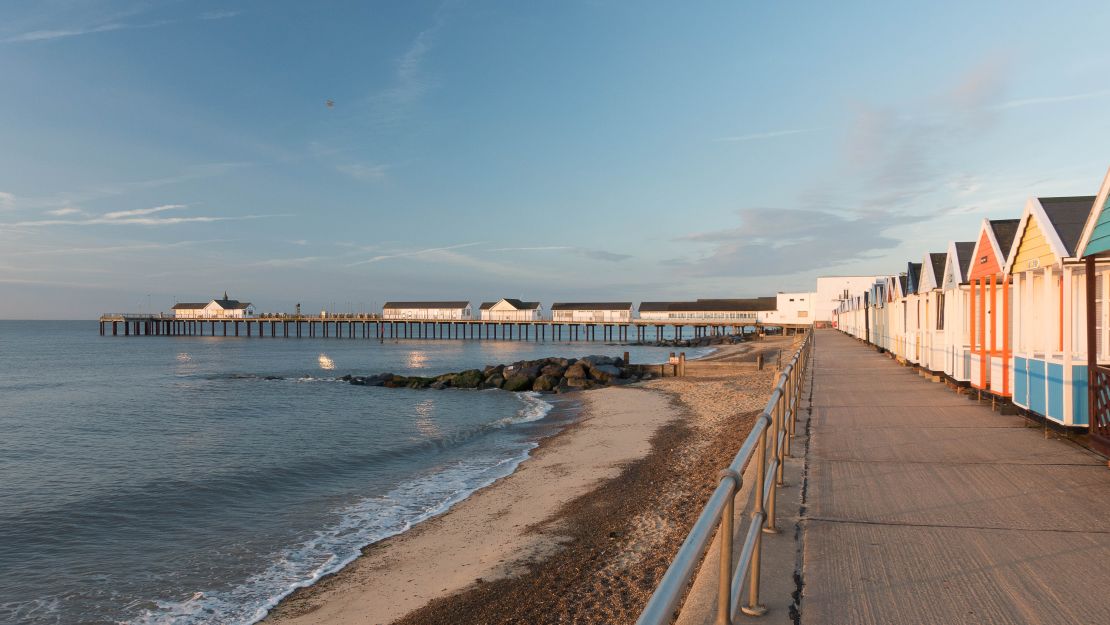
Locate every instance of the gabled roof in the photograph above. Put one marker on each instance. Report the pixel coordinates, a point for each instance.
(1068, 215)
(515, 303)
(913, 272)
(231, 304)
(964, 251)
(189, 305)
(426, 305)
(713, 305)
(1004, 231)
(903, 283)
(593, 306)
(937, 260)
(1096, 233)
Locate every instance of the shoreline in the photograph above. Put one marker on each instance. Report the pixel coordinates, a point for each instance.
(403, 572)
(499, 531)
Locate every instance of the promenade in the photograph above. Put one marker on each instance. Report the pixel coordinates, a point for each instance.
(925, 507)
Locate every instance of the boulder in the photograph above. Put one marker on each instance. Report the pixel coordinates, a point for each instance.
(493, 381)
(578, 370)
(605, 373)
(518, 382)
(576, 382)
(545, 383)
(419, 382)
(470, 378)
(554, 369)
(563, 387)
(599, 360)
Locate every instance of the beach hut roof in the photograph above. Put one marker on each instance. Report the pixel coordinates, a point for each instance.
(1004, 231)
(1096, 232)
(904, 283)
(964, 251)
(1068, 215)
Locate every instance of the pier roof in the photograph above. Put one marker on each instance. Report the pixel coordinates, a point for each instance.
(713, 305)
(189, 305)
(515, 303)
(446, 304)
(593, 306)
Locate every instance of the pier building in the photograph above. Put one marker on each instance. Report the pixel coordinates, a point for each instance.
(594, 312)
(225, 308)
(507, 309)
(445, 311)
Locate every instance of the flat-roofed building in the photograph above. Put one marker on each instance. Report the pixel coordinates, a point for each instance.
(427, 311)
(592, 312)
(792, 309)
(507, 309)
(711, 311)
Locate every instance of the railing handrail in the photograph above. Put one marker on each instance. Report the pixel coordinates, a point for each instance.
(777, 419)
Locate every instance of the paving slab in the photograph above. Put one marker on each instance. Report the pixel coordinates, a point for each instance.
(923, 506)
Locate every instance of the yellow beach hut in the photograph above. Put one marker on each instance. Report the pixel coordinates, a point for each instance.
(1048, 368)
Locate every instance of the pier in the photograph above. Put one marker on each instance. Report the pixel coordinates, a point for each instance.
(372, 327)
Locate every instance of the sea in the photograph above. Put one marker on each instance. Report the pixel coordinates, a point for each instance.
(150, 480)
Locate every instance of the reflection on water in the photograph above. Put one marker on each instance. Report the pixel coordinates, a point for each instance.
(326, 363)
(417, 359)
(425, 423)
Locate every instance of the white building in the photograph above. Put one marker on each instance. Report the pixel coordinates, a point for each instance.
(597, 312)
(507, 309)
(427, 311)
(225, 308)
(831, 290)
(710, 311)
(793, 309)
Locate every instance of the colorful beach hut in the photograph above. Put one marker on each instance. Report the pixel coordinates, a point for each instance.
(1049, 372)
(989, 307)
(1094, 337)
(953, 308)
(931, 317)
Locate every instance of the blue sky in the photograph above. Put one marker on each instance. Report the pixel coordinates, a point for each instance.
(575, 150)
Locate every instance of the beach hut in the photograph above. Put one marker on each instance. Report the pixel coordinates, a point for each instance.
(989, 307)
(1092, 338)
(913, 314)
(930, 300)
(898, 316)
(953, 308)
(1049, 374)
(890, 295)
(876, 310)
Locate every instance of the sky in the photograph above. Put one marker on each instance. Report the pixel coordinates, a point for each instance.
(581, 150)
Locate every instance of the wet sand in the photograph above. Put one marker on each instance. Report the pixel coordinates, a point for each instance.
(581, 532)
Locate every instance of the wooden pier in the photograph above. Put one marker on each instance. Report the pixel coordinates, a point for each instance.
(368, 327)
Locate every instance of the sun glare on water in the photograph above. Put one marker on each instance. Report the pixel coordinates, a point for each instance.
(326, 363)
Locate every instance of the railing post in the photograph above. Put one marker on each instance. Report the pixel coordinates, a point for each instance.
(724, 583)
(772, 495)
(754, 608)
(789, 413)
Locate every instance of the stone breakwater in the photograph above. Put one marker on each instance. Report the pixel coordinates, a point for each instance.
(547, 375)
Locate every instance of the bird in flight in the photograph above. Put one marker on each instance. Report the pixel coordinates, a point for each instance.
(330, 104)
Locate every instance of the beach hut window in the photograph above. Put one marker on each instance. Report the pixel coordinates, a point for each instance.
(940, 311)
(1079, 313)
(1038, 297)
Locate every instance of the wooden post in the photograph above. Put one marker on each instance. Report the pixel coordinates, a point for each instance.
(1092, 344)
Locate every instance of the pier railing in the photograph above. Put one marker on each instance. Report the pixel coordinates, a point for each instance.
(767, 446)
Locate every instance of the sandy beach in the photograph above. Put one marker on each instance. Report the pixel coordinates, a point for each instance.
(580, 532)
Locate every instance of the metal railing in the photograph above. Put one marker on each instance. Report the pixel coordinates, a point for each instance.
(777, 422)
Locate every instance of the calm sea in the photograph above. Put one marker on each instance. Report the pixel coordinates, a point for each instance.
(199, 480)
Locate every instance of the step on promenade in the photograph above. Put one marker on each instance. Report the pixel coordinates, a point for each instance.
(925, 507)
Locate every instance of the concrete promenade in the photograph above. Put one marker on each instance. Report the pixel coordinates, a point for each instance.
(925, 507)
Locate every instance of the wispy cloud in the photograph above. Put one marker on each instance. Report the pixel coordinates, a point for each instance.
(364, 171)
(412, 253)
(1013, 104)
(578, 251)
(107, 25)
(118, 249)
(64, 211)
(410, 82)
(142, 211)
(765, 135)
(135, 217)
(7, 201)
(288, 262)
